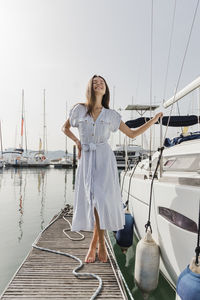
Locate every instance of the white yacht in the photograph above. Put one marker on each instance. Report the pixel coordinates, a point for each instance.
(18, 159)
(14, 157)
(175, 198)
(37, 159)
(127, 154)
(132, 152)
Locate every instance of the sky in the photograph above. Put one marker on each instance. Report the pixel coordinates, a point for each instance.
(58, 45)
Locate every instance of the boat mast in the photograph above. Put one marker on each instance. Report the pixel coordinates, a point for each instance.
(22, 120)
(44, 124)
(25, 130)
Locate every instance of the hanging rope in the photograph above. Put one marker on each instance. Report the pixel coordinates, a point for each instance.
(137, 162)
(150, 91)
(125, 172)
(197, 250)
(148, 224)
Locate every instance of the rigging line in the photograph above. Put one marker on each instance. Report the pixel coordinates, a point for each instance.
(150, 91)
(169, 53)
(181, 70)
(178, 108)
(129, 186)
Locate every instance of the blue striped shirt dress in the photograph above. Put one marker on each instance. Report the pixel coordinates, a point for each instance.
(97, 181)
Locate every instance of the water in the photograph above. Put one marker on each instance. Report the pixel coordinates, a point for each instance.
(29, 199)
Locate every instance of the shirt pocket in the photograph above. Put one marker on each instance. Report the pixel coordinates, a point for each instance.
(104, 128)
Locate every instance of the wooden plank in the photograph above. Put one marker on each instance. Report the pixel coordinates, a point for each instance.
(45, 275)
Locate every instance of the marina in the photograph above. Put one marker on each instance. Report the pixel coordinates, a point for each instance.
(100, 182)
(29, 217)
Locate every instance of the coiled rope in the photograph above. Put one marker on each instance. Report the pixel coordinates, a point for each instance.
(78, 275)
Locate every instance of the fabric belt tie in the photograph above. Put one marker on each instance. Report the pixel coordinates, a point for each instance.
(91, 148)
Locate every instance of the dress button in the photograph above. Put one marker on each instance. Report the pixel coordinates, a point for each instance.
(92, 134)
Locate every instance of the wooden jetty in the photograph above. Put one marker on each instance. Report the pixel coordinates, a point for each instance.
(45, 275)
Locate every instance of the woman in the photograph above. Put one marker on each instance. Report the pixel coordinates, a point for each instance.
(98, 204)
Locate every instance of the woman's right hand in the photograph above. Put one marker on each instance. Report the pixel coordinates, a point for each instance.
(78, 144)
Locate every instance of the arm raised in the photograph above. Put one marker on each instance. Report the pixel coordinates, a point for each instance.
(133, 133)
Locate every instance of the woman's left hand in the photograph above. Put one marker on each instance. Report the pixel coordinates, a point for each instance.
(157, 116)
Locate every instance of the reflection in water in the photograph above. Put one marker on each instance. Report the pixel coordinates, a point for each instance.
(21, 198)
(73, 178)
(42, 181)
(19, 177)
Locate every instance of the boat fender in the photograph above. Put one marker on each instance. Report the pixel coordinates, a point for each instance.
(124, 237)
(147, 260)
(188, 284)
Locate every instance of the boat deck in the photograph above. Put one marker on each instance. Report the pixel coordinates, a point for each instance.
(45, 275)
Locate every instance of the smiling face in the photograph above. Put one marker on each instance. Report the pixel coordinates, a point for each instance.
(99, 86)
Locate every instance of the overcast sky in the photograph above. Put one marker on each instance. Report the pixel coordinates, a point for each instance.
(59, 44)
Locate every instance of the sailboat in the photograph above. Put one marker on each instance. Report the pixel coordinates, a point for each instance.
(20, 158)
(39, 158)
(176, 192)
(16, 156)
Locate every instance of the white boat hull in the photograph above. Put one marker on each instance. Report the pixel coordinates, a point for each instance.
(177, 245)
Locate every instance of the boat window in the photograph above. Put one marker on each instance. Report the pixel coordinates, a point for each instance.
(169, 162)
(178, 219)
(187, 163)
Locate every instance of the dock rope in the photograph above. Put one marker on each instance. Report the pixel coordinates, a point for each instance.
(67, 212)
(197, 250)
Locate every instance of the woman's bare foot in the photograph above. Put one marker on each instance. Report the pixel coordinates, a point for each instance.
(91, 255)
(102, 253)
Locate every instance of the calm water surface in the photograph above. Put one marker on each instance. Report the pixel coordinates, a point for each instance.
(29, 199)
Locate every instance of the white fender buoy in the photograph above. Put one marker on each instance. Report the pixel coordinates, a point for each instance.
(188, 284)
(147, 260)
